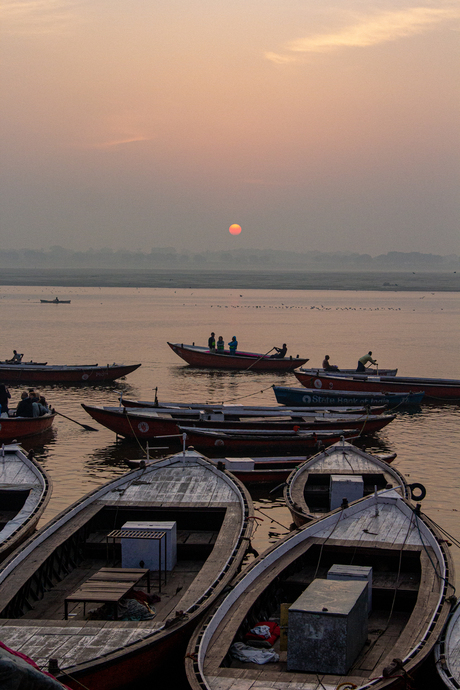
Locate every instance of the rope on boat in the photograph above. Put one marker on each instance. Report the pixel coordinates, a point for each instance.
(240, 397)
(134, 433)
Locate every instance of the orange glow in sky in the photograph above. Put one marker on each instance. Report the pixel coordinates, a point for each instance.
(234, 229)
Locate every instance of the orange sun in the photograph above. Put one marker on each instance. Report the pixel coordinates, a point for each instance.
(234, 229)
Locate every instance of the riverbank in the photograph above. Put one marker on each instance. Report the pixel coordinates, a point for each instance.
(257, 280)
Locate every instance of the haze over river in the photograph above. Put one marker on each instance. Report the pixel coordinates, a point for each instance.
(417, 332)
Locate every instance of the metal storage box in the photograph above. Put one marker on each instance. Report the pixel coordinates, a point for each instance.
(353, 572)
(135, 550)
(327, 627)
(346, 486)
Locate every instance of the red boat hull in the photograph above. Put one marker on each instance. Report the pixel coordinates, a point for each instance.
(133, 424)
(223, 444)
(29, 373)
(21, 427)
(243, 361)
(435, 390)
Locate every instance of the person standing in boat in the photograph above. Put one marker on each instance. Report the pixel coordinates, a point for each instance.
(365, 359)
(5, 395)
(212, 342)
(280, 352)
(327, 366)
(220, 347)
(233, 344)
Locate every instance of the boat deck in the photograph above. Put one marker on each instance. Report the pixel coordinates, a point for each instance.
(42, 632)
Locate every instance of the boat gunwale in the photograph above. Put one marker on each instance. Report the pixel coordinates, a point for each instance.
(46, 486)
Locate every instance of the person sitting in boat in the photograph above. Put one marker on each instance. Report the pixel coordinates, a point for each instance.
(5, 395)
(16, 358)
(233, 344)
(212, 342)
(25, 406)
(280, 352)
(33, 395)
(220, 344)
(40, 408)
(327, 366)
(365, 359)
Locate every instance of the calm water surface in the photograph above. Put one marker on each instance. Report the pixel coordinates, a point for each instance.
(416, 332)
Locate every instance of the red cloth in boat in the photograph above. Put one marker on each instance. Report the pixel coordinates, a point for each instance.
(274, 630)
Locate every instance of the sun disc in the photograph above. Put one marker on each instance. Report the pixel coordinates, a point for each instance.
(234, 229)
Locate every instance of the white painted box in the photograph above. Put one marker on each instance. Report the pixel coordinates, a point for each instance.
(147, 550)
(346, 486)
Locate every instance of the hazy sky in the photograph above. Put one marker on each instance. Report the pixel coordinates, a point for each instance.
(327, 125)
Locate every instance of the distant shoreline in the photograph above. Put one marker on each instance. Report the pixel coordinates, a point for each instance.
(382, 281)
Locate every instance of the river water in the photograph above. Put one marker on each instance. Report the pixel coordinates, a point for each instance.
(417, 332)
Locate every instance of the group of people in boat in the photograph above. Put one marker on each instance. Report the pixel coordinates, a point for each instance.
(219, 346)
(362, 361)
(31, 404)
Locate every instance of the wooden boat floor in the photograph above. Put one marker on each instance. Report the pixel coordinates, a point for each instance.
(43, 633)
(248, 676)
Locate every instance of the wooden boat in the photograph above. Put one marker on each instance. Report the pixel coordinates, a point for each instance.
(12, 428)
(150, 423)
(56, 300)
(63, 567)
(317, 397)
(310, 490)
(29, 373)
(250, 410)
(436, 390)
(198, 356)
(412, 576)
(218, 441)
(349, 372)
(447, 651)
(25, 490)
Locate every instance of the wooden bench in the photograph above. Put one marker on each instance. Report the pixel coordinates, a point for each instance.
(107, 586)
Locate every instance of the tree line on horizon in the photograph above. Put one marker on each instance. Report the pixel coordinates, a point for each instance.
(168, 257)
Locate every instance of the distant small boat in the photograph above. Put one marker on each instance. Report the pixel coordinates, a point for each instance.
(25, 490)
(21, 427)
(56, 300)
(198, 356)
(326, 397)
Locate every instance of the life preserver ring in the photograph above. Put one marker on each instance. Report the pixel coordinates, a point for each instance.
(85, 377)
(318, 383)
(143, 427)
(413, 489)
(218, 443)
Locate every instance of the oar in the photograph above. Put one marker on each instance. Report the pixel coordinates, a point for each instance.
(85, 426)
(261, 357)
